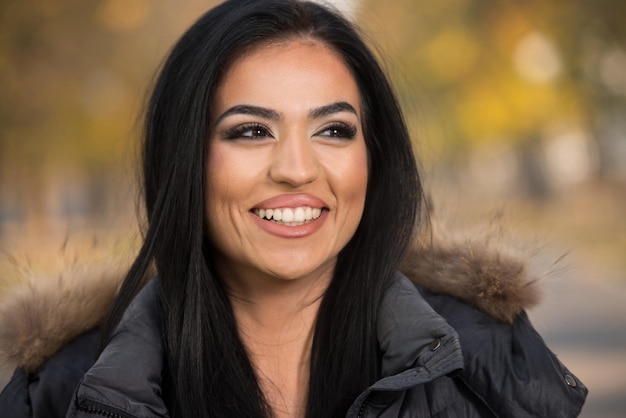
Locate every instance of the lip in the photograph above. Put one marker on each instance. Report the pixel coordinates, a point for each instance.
(290, 201)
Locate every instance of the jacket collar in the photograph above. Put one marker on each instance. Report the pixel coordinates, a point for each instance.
(128, 373)
(411, 333)
(417, 344)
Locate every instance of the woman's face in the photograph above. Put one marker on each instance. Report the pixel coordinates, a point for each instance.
(287, 165)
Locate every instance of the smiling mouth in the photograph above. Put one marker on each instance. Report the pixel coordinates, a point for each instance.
(289, 216)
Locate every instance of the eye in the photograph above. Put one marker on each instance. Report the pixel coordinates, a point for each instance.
(338, 130)
(249, 131)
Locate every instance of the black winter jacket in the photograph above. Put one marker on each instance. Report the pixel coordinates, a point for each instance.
(456, 342)
(441, 358)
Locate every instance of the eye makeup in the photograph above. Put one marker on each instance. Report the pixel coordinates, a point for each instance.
(251, 131)
(339, 130)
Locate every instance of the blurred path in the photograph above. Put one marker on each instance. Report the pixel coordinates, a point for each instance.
(583, 319)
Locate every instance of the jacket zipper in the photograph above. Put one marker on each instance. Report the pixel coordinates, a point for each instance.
(97, 408)
(363, 407)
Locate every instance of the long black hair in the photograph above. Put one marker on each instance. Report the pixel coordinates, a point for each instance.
(208, 368)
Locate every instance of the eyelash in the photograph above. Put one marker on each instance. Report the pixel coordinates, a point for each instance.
(339, 130)
(257, 131)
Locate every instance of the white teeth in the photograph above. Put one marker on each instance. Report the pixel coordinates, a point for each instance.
(290, 216)
(299, 215)
(287, 215)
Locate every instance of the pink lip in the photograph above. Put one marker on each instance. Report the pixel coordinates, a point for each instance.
(291, 201)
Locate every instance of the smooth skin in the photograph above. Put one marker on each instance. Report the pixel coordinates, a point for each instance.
(286, 132)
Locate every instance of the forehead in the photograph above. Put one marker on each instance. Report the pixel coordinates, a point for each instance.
(293, 74)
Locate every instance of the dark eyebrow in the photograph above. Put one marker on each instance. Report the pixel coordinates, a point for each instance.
(318, 112)
(250, 110)
(323, 111)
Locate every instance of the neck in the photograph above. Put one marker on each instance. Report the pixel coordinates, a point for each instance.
(276, 321)
(263, 302)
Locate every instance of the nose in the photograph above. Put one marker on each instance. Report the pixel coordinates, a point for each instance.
(294, 161)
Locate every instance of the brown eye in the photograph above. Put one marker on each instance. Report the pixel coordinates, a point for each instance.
(339, 131)
(249, 131)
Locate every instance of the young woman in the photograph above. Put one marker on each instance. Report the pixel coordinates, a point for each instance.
(282, 194)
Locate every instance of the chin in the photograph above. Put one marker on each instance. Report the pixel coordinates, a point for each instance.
(288, 273)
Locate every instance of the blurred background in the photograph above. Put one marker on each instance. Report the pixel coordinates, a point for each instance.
(517, 109)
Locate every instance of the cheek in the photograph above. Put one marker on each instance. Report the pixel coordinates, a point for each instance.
(232, 177)
(214, 177)
(225, 174)
(221, 184)
(352, 180)
(363, 169)
(224, 187)
(359, 172)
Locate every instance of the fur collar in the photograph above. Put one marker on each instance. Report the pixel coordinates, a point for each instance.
(39, 314)
(486, 276)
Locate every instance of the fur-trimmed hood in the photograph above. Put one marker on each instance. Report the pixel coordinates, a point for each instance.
(40, 314)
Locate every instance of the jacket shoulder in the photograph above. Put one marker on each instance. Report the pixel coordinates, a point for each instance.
(483, 290)
(509, 365)
(48, 332)
(47, 392)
